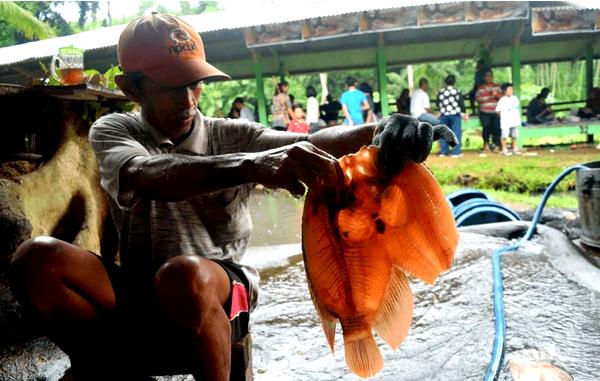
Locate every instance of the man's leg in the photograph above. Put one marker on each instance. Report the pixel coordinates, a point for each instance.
(68, 288)
(429, 118)
(456, 127)
(193, 291)
(496, 132)
(486, 133)
(443, 144)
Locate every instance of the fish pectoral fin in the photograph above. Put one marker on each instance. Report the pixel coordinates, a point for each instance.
(355, 225)
(394, 209)
(362, 354)
(395, 313)
(328, 322)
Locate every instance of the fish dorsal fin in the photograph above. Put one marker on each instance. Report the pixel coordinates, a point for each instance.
(362, 354)
(394, 316)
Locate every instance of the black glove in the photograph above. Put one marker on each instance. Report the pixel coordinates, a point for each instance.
(402, 138)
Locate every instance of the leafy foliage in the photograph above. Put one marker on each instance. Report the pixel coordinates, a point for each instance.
(22, 21)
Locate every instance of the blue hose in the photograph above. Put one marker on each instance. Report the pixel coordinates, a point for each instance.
(493, 369)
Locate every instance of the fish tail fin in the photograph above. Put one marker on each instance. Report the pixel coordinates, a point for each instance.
(394, 316)
(362, 355)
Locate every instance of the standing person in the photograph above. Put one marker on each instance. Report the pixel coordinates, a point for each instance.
(299, 124)
(420, 107)
(451, 103)
(354, 102)
(510, 118)
(368, 115)
(243, 111)
(478, 80)
(403, 102)
(330, 111)
(487, 97)
(312, 109)
(178, 184)
(282, 107)
(538, 111)
(234, 113)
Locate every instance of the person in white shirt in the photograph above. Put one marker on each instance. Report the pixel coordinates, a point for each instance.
(244, 112)
(420, 107)
(312, 109)
(510, 118)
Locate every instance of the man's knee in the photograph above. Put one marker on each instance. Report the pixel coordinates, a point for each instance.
(35, 250)
(184, 272)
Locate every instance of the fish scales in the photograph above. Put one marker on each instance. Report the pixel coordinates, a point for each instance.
(357, 253)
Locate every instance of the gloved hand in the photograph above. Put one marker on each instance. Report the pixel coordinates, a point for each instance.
(402, 138)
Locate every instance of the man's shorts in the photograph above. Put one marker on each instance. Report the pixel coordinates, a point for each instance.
(138, 305)
(513, 132)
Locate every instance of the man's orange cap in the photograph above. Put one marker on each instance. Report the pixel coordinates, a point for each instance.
(165, 49)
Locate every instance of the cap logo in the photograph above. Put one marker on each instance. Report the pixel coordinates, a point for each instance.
(183, 43)
(179, 35)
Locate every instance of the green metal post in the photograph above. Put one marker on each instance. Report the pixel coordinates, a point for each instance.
(516, 69)
(589, 69)
(260, 93)
(484, 54)
(382, 79)
(281, 72)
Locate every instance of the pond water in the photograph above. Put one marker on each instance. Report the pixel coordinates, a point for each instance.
(550, 315)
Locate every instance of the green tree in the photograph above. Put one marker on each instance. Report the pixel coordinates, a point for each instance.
(17, 19)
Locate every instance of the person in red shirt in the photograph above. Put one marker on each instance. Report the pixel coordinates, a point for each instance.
(299, 124)
(487, 96)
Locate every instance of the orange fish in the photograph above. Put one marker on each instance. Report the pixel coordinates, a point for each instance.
(358, 249)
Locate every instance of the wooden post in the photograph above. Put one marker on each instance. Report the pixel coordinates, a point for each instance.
(381, 77)
(260, 90)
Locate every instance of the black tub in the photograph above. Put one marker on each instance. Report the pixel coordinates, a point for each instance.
(588, 197)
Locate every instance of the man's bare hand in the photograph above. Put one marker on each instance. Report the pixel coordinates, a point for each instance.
(291, 167)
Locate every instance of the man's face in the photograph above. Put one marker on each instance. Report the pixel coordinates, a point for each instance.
(488, 77)
(509, 91)
(171, 110)
(425, 86)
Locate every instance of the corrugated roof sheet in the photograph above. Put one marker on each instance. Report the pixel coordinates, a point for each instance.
(246, 13)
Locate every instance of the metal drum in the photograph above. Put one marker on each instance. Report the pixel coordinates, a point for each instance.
(588, 197)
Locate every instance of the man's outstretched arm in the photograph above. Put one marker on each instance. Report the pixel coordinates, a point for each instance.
(342, 140)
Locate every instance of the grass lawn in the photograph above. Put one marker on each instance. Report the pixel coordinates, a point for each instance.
(519, 180)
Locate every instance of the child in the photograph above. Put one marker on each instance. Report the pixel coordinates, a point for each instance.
(510, 118)
(299, 123)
